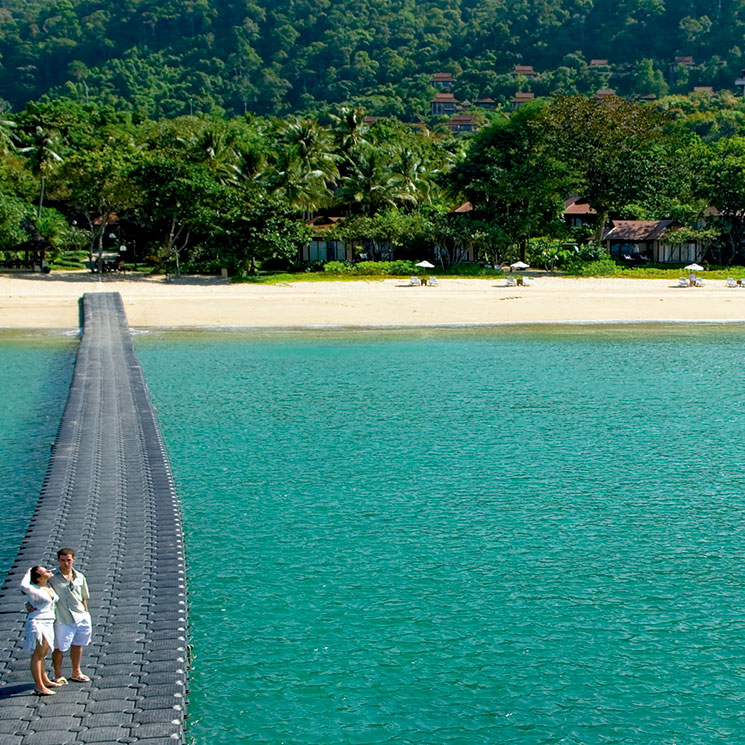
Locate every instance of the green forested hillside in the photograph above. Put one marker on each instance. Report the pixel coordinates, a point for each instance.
(162, 58)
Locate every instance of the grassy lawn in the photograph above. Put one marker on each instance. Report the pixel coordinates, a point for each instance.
(272, 278)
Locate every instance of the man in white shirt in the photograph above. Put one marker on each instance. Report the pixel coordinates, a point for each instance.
(72, 626)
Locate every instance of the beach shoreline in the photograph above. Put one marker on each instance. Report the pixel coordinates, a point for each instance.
(51, 301)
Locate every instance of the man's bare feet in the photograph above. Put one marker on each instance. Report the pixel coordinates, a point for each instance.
(43, 692)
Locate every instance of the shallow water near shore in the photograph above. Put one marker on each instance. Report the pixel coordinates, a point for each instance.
(35, 374)
(460, 536)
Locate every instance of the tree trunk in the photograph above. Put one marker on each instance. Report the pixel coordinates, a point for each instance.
(104, 224)
(41, 198)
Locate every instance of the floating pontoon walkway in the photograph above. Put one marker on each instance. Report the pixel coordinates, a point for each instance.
(108, 494)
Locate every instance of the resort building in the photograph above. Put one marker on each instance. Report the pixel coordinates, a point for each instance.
(577, 212)
(648, 240)
(520, 98)
(443, 104)
(442, 81)
(321, 248)
(525, 71)
(740, 83)
(461, 123)
(676, 64)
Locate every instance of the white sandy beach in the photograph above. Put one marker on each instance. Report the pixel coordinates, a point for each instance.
(50, 301)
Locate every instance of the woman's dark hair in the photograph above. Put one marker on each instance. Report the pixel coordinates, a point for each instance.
(35, 571)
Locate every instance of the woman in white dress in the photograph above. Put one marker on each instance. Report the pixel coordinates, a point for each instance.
(40, 625)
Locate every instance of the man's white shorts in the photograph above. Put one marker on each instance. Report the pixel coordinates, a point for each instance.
(78, 635)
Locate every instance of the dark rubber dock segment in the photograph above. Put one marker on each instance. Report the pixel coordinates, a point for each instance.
(109, 494)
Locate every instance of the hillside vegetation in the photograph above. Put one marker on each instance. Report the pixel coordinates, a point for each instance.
(164, 58)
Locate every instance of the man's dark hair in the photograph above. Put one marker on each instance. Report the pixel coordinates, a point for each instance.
(66, 552)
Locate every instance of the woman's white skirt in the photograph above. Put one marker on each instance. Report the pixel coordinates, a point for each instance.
(37, 632)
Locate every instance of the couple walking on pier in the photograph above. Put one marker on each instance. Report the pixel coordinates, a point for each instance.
(58, 619)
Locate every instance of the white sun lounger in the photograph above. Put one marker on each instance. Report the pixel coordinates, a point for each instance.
(731, 282)
(683, 282)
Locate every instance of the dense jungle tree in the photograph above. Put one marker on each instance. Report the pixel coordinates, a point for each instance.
(513, 181)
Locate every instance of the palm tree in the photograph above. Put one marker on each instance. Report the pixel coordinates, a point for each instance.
(349, 128)
(416, 179)
(309, 161)
(372, 184)
(7, 138)
(43, 156)
(213, 146)
(303, 190)
(250, 165)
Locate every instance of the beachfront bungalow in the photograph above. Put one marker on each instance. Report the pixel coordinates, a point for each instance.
(451, 251)
(577, 212)
(321, 247)
(648, 240)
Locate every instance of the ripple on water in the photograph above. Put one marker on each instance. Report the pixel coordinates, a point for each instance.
(513, 536)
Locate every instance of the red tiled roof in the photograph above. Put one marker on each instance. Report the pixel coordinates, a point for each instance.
(686, 60)
(598, 62)
(522, 96)
(442, 77)
(637, 230)
(578, 206)
(524, 70)
(703, 89)
(604, 92)
(460, 209)
(444, 97)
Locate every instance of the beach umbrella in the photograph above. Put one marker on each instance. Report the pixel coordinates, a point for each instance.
(519, 265)
(694, 268)
(425, 265)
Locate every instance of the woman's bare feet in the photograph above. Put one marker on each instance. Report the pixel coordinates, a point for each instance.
(43, 692)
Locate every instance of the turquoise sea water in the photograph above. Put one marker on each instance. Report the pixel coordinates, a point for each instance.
(35, 374)
(474, 536)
